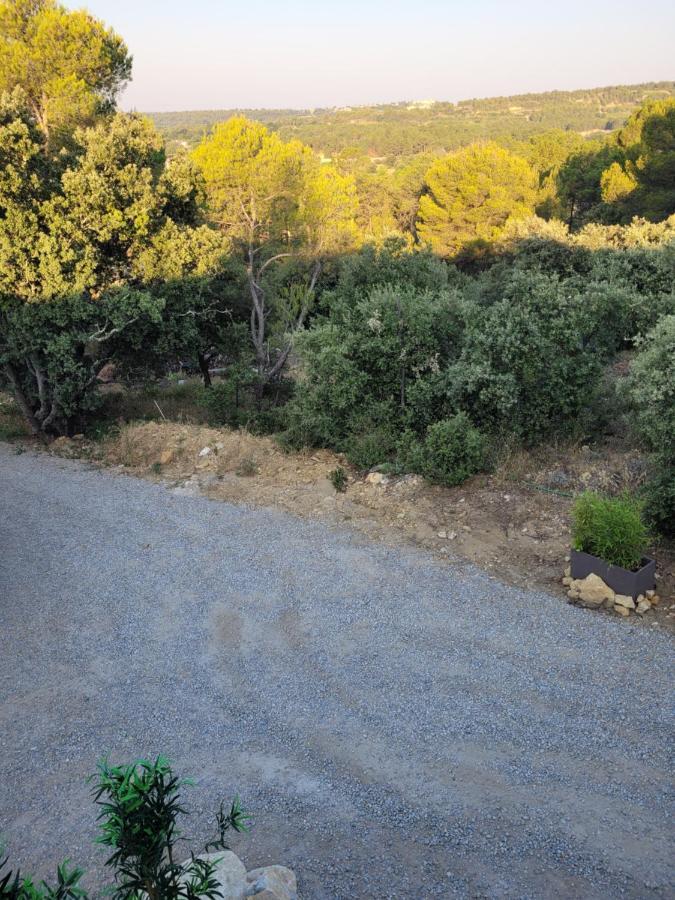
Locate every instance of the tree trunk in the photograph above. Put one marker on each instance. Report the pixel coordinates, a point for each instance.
(204, 369)
(24, 405)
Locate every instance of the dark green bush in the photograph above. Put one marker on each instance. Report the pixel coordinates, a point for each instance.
(370, 448)
(611, 528)
(659, 495)
(528, 362)
(364, 364)
(650, 388)
(338, 478)
(236, 402)
(451, 451)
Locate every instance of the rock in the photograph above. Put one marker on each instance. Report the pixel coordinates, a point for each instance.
(567, 581)
(442, 534)
(452, 535)
(592, 591)
(205, 451)
(377, 478)
(272, 883)
(166, 457)
(230, 873)
(650, 594)
(609, 603)
(655, 600)
(643, 607)
(621, 610)
(558, 479)
(624, 600)
(568, 571)
(572, 594)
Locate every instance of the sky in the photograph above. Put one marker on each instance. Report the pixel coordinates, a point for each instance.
(299, 54)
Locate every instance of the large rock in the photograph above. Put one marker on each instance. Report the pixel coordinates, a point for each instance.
(592, 591)
(269, 883)
(230, 874)
(377, 478)
(272, 883)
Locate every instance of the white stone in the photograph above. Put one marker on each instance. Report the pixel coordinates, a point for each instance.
(205, 451)
(272, 883)
(592, 590)
(230, 873)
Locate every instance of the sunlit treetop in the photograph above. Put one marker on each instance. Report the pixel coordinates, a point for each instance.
(69, 64)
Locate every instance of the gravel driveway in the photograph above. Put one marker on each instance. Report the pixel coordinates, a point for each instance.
(400, 728)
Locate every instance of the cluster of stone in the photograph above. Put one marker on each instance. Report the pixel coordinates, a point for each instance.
(593, 593)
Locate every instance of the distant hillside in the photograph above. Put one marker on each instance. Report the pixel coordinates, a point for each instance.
(404, 129)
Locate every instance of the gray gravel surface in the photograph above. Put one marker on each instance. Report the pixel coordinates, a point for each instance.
(400, 728)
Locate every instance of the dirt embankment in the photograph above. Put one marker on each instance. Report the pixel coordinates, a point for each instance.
(513, 523)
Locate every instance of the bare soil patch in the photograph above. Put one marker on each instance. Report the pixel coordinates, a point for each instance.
(513, 523)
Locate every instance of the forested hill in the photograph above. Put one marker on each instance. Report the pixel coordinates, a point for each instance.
(411, 127)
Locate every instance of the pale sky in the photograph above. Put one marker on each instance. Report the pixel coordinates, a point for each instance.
(202, 54)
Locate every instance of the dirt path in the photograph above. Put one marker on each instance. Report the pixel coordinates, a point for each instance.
(400, 728)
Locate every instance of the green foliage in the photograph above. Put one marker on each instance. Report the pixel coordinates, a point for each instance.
(14, 887)
(238, 402)
(247, 468)
(401, 130)
(651, 388)
(338, 478)
(67, 63)
(373, 365)
(651, 392)
(452, 451)
(659, 494)
(140, 805)
(470, 196)
(611, 528)
(371, 444)
(52, 353)
(529, 358)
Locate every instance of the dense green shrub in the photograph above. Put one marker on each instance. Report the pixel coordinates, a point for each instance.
(651, 387)
(611, 528)
(371, 267)
(364, 363)
(528, 362)
(651, 393)
(338, 478)
(451, 451)
(370, 447)
(51, 353)
(659, 495)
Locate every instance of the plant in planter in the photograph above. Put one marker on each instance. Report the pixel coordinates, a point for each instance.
(610, 539)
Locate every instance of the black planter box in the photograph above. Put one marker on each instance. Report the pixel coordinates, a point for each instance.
(621, 581)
